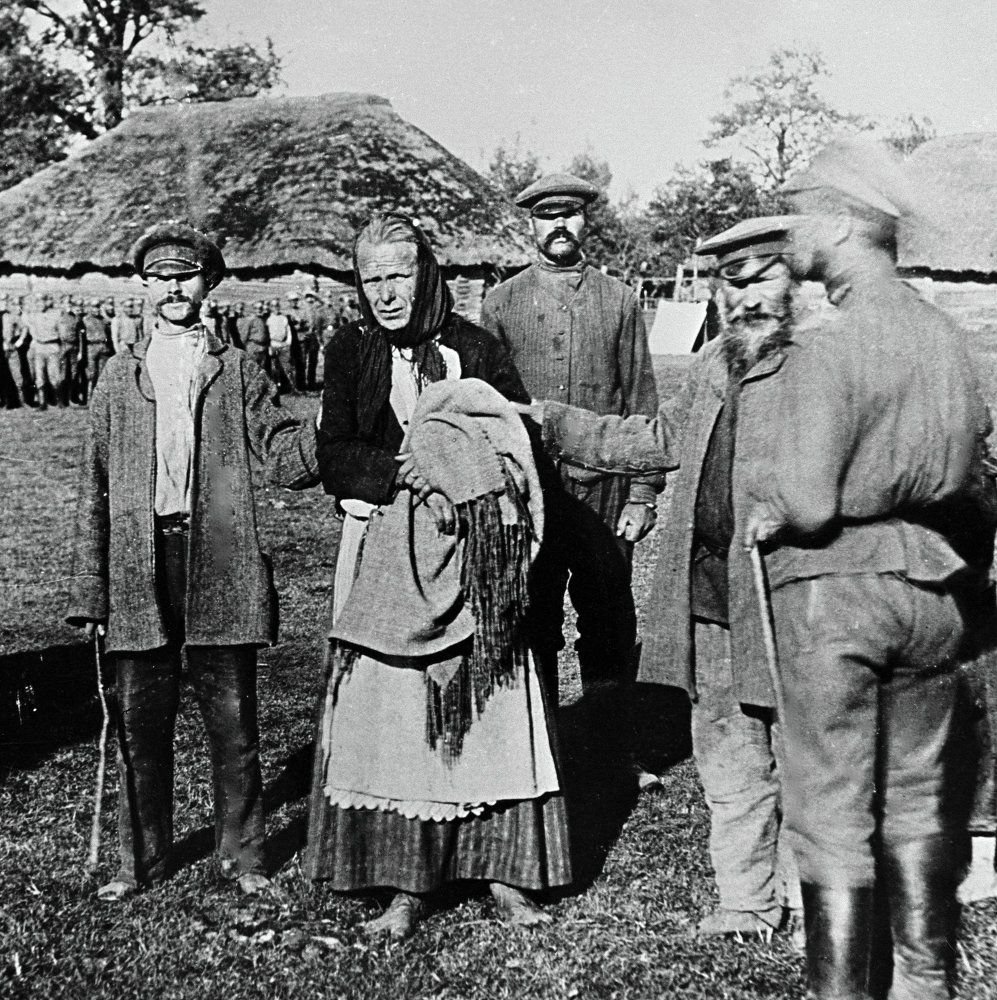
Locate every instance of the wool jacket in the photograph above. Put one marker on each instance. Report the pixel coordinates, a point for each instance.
(870, 446)
(680, 435)
(585, 346)
(358, 467)
(238, 425)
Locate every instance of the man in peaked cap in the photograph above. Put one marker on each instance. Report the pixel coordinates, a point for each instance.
(874, 503)
(177, 424)
(577, 335)
(703, 629)
(54, 347)
(95, 343)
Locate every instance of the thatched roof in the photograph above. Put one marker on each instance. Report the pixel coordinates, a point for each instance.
(958, 176)
(282, 183)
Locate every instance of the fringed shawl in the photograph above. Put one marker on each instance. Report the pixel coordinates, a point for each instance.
(454, 602)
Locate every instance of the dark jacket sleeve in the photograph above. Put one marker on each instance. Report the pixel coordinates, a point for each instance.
(88, 580)
(284, 445)
(350, 467)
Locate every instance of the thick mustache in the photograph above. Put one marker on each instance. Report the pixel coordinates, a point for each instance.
(560, 234)
(747, 319)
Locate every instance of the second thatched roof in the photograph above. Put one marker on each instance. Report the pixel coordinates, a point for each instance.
(281, 183)
(957, 232)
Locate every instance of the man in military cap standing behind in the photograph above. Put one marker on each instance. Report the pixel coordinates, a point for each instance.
(96, 343)
(126, 326)
(577, 336)
(703, 629)
(165, 535)
(55, 347)
(16, 388)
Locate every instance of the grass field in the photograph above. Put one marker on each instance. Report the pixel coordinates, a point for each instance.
(625, 932)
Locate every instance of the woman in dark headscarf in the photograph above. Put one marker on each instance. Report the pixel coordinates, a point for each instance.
(395, 800)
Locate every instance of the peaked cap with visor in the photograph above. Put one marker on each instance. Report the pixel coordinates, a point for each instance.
(176, 250)
(745, 251)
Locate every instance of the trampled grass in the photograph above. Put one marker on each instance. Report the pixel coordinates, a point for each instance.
(625, 933)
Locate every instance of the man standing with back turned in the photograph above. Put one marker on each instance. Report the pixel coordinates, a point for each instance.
(577, 336)
(874, 503)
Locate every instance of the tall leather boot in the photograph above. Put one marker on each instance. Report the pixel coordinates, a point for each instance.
(921, 881)
(839, 931)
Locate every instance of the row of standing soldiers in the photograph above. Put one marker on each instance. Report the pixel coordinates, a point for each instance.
(54, 352)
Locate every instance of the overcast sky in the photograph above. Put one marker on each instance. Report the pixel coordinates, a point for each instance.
(633, 82)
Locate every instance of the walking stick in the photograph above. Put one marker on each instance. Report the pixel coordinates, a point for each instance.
(98, 792)
(768, 632)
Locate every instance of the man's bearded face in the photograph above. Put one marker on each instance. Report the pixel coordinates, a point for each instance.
(755, 316)
(177, 299)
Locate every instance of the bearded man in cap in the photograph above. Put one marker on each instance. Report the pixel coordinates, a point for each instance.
(875, 506)
(577, 336)
(165, 535)
(703, 631)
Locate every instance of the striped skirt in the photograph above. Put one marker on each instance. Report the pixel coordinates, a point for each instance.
(522, 843)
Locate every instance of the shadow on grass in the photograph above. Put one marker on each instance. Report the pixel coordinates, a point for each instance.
(292, 783)
(48, 700)
(598, 767)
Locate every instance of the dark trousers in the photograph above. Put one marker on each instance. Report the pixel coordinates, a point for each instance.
(867, 670)
(148, 690)
(281, 368)
(582, 553)
(260, 354)
(305, 371)
(97, 358)
(10, 379)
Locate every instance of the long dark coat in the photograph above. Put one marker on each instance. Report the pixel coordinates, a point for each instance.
(238, 423)
(679, 435)
(667, 655)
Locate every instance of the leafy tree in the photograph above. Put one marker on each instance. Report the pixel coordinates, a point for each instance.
(39, 102)
(699, 202)
(908, 132)
(513, 168)
(200, 74)
(612, 238)
(777, 117)
(105, 37)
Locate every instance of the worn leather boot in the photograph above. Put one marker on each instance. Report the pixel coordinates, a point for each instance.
(921, 882)
(839, 930)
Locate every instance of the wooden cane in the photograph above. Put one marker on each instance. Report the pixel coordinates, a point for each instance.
(98, 792)
(768, 632)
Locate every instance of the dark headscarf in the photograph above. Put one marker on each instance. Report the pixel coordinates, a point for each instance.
(432, 307)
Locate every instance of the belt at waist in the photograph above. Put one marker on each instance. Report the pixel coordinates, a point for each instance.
(172, 524)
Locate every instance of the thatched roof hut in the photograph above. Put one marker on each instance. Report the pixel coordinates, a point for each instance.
(958, 239)
(950, 253)
(281, 183)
